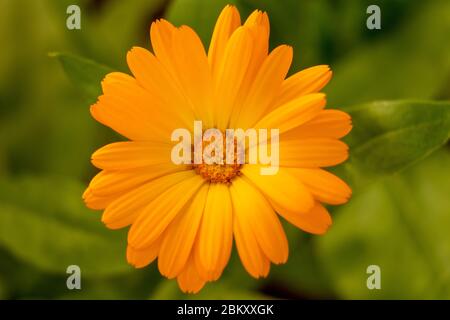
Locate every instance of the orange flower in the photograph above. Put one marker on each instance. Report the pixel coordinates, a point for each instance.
(188, 215)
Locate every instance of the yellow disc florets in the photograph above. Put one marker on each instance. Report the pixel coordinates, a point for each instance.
(219, 173)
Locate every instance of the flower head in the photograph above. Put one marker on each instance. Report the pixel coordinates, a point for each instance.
(186, 215)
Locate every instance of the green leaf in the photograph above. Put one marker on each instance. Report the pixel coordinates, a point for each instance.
(44, 222)
(389, 136)
(400, 225)
(402, 65)
(85, 74)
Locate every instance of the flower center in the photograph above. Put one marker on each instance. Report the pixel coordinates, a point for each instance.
(215, 172)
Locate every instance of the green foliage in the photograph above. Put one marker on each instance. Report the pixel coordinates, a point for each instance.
(84, 73)
(44, 223)
(408, 63)
(391, 135)
(302, 276)
(400, 225)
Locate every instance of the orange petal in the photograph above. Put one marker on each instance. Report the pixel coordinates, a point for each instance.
(312, 152)
(118, 182)
(253, 259)
(258, 26)
(132, 111)
(324, 186)
(283, 190)
(152, 75)
(189, 279)
(161, 33)
(192, 69)
(124, 210)
(265, 87)
(327, 124)
(213, 246)
(155, 218)
(131, 155)
(255, 215)
(143, 257)
(95, 202)
(228, 21)
(180, 235)
(294, 113)
(230, 75)
(305, 82)
(259, 18)
(316, 221)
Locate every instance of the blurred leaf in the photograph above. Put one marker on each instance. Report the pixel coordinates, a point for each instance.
(38, 118)
(44, 222)
(84, 73)
(400, 225)
(108, 28)
(26, 281)
(134, 16)
(389, 136)
(37, 141)
(412, 63)
(168, 290)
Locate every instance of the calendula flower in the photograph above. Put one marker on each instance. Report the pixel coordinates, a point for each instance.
(187, 215)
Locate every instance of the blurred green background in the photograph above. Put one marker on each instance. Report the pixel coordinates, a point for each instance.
(399, 217)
